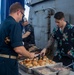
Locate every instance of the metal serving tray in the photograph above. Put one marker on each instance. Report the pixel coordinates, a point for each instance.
(29, 70)
(62, 70)
(44, 71)
(24, 68)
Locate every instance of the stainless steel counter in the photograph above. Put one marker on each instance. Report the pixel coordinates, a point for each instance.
(23, 73)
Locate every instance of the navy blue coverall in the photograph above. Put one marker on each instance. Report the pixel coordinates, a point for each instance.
(11, 29)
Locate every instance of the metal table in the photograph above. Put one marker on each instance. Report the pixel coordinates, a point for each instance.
(23, 73)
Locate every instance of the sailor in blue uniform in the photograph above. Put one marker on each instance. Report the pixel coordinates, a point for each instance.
(11, 41)
(27, 33)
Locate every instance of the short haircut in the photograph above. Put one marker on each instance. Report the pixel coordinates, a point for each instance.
(15, 7)
(59, 15)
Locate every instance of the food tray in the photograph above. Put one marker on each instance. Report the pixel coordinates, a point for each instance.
(27, 65)
(62, 70)
(44, 71)
(26, 69)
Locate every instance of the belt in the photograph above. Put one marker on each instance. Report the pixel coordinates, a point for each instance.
(8, 56)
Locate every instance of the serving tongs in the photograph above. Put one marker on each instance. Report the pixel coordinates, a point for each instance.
(39, 56)
(69, 65)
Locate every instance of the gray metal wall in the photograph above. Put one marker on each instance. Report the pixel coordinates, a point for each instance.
(38, 18)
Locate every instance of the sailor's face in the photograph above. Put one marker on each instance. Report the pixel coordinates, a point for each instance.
(21, 14)
(59, 23)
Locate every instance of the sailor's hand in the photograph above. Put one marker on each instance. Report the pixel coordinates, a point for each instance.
(71, 53)
(43, 51)
(32, 55)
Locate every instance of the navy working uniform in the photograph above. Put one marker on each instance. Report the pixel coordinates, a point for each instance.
(30, 39)
(65, 43)
(11, 29)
